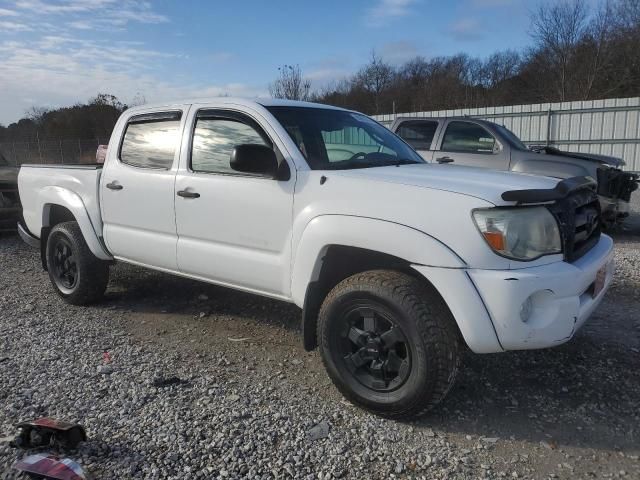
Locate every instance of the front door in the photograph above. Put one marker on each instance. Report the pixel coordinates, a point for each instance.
(233, 228)
(137, 191)
(469, 143)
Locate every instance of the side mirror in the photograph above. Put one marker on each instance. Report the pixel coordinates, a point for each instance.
(253, 158)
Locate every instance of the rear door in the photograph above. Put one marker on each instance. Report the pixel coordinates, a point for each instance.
(465, 142)
(137, 190)
(421, 135)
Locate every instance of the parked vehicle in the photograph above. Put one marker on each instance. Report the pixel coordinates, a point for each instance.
(396, 263)
(480, 143)
(10, 209)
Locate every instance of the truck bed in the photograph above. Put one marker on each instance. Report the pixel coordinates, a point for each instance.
(40, 184)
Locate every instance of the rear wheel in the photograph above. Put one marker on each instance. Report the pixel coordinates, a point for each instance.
(389, 343)
(77, 274)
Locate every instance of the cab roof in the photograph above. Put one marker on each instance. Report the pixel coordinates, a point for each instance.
(264, 102)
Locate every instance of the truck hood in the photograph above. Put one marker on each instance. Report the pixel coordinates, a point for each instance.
(476, 182)
(557, 154)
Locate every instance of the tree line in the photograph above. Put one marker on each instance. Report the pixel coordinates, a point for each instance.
(577, 53)
(93, 120)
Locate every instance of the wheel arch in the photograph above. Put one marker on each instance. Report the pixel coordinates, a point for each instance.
(61, 205)
(334, 247)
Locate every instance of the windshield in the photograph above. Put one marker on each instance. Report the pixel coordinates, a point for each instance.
(513, 139)
(339, 140)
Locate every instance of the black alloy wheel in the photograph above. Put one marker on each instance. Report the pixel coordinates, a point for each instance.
(77, 275)
(374, 348)
(64, 264)
(389, 342)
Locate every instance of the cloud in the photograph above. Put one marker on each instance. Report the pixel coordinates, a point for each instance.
(325, 75)
(93, 14)
(328, 70)
(386, 11)
(56, 53)
(491, 3)
(13, 27)
(466, 29)
(60, 70)
(81, 25)
(68, 6)
(221, 57)
(7, 13)
(398, 52)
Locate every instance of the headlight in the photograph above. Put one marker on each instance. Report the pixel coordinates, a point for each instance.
(522, 233)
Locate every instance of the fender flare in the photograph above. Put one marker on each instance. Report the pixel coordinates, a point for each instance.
(50, 196)
(382, 236)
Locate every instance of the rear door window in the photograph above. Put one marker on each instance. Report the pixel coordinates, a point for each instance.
(468, 137)
(151, 141)
(418, 133)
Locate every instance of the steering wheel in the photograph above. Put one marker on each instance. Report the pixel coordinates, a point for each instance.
(356, 155)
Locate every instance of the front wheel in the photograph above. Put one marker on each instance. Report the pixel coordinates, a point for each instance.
(77, 275)
(389, 343)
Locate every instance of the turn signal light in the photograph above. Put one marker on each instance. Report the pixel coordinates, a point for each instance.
(495, 240)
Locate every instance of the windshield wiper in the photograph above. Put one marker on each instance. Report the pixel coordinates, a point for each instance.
(405, 161)
(356, 164)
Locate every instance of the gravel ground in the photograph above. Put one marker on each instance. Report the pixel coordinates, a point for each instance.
(252, 404)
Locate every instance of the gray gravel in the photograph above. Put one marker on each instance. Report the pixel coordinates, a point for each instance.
(205, 382)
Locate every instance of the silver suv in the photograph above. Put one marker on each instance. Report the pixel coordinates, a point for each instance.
(480, 143)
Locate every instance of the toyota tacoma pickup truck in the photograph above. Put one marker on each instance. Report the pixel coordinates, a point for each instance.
(480, 143)
(396, 264)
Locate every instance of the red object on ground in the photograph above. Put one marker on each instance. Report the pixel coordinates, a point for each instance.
(50, 467)
(44, 432)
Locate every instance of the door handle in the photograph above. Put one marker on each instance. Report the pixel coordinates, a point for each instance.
(444, 160)
(114, 186)
(186, 194)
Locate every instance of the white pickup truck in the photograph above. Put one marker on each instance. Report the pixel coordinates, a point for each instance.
(397, 264)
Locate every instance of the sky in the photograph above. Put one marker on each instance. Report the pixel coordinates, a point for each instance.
(60, 52)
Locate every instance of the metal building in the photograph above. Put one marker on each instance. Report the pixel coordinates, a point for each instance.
(607, 127)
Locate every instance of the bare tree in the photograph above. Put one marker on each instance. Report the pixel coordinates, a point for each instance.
(137, 100)
(37, 114)
(628, 14)
(375, 78)
(500, 67)
(106, 99)
(558, 28)
(596, 49)
(291, 84)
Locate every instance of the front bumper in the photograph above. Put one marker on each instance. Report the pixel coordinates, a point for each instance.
(486, 304)
(561, 298)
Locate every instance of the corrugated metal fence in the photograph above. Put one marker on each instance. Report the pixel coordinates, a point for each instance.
(607, 127)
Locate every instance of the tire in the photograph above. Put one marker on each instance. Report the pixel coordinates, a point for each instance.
(77, 275)
(408, 360)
